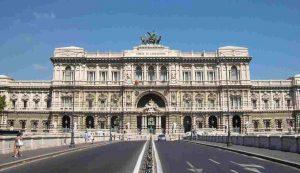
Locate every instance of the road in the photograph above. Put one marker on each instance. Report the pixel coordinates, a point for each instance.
(183, 157)
(113, 158)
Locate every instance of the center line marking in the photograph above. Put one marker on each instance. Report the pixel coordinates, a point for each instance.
(233, 171)
(214, 161)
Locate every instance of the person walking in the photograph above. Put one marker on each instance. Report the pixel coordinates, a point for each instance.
(91, 138)
(86, 136)
(17, 145)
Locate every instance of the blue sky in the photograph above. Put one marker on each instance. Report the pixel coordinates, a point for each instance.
(30, 30)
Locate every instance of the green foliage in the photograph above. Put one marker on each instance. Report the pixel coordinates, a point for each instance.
(2, 103)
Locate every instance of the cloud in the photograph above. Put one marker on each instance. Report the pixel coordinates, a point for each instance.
(39, 67)
(44, 15)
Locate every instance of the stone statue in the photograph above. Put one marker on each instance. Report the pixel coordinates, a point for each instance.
(55, 124)
(151, 38)
(151, 106)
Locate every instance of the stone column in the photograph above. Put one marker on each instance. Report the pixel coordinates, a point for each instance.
(145, 78)
(157, 73)
(109, 77)
(159, 122)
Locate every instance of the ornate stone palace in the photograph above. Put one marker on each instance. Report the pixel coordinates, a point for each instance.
(151, 88)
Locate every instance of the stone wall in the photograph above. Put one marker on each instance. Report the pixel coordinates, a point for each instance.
(283, 143)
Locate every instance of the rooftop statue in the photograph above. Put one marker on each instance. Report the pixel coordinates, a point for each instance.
(151, 38)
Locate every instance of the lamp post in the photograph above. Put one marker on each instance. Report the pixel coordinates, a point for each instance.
(110, 123)
(72, 143)
(228, 129)
(191, 122)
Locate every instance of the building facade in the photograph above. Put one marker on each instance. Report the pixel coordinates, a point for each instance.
(152, 88)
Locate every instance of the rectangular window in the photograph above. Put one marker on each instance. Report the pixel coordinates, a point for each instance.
(115, 76)
(267, 124)
(103, 76)
(277, 103)
(91, 76)
(90, 104)
(211, 75)
(25, 104)
(36, 104)
(102, 103)
(288, 103)
(199, 103)
(255, 124)
(266, 104)
(102, 125)
(48, 103)
(13, 102)
(186, 76)
(66, 102)
(199, 76)
(235, 102)
(254, 104)
(211, 104)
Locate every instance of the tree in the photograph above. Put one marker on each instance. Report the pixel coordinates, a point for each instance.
(2, 103)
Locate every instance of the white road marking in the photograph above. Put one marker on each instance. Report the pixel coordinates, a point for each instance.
(250, 167)
(214, 161)
(139, 161)
(258, 158)
(231, 170)
(158, 163)
(193, 168)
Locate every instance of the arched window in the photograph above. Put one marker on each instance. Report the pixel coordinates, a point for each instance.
(151, 73)
(235, 74)
(138, 73)
(68, 74)
(163, 73)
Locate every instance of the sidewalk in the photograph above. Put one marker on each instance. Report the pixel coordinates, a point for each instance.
(287, 158)
(6, 160)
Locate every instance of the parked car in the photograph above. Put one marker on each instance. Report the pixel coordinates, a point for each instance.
(161, 137)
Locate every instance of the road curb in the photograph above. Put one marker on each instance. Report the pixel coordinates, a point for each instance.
(44, 156)
(285, 162)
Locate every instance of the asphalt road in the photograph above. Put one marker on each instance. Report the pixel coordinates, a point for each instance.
(113, 158)
(182, 157)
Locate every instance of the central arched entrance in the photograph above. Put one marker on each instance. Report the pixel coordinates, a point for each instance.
(151, 106)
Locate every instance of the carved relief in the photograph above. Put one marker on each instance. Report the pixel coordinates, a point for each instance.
(90, 97)
(115, 98)
(187, 97)
(199, 96)
(266, 96)
(235, 93)
(66, 95)
(36, 98)
(25, 97)
(287, 97)
(47, 97)
(276, 97)
(212, 96)
(102, 97)
(14, 97)
(254, 96)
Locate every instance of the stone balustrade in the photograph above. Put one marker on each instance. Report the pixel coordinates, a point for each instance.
(44, 141)
(283, 143)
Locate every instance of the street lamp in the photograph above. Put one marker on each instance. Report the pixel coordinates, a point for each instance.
(228, 132)
(110, 124)
(72, 143)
